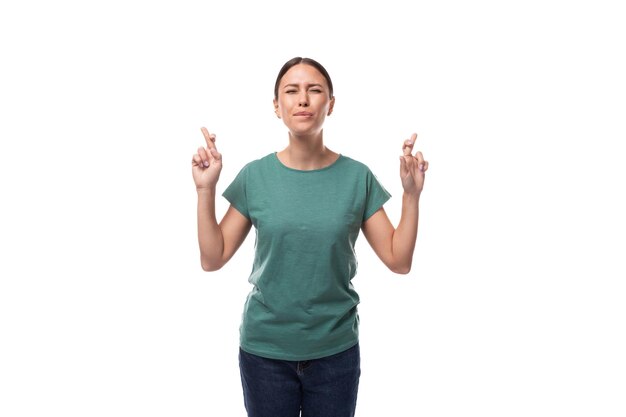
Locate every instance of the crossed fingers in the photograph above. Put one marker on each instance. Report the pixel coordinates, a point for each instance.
(209, 138)
(206, 156)
(407, 149)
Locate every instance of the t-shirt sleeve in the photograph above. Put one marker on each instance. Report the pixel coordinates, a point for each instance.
(376, 196)
(236, 192)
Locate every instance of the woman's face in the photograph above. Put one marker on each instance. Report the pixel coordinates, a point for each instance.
(303, 100)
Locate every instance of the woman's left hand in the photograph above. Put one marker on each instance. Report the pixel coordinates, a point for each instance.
(412, 168)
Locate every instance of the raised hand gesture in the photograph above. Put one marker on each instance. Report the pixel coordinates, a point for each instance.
(412, 168)
(206, 165)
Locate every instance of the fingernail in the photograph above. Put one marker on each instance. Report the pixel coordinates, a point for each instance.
(206, 163)
(421, 167)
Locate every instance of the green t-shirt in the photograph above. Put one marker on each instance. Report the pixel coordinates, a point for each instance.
(303, 304)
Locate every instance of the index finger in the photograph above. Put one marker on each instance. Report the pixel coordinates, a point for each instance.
(209, 137)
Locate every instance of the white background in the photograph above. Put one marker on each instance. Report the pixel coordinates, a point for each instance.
(515, 304)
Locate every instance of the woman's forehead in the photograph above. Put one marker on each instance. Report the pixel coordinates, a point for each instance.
(303, 73)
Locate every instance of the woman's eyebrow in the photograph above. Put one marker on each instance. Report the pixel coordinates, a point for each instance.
(308, 85)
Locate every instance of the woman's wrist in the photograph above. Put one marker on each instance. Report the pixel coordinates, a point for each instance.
(411, 196)
(206, 191)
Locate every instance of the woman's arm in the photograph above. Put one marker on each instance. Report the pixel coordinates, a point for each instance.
(395, 246)
(218, 242)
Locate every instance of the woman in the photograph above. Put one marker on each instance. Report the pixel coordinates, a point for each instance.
(299, 332)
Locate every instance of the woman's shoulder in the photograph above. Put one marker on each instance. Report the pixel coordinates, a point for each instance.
(354, 164)
(259, 162)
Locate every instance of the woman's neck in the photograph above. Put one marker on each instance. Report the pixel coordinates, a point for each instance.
(307, 153)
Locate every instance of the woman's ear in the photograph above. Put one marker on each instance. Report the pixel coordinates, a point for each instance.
(276, 108)
(331, 106)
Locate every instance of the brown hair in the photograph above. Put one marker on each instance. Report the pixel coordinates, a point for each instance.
(307, 61)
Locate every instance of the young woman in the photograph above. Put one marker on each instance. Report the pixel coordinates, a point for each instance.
(299, 332)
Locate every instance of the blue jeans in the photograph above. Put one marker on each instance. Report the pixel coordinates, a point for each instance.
(325, 387)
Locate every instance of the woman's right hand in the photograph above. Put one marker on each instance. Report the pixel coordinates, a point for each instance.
(206, 165)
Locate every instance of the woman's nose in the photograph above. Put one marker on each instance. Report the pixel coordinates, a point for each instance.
(303, 100)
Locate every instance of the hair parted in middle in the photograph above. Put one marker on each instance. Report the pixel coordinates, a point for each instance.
(306, 61)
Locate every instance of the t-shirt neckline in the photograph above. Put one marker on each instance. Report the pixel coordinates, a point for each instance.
(278, 161)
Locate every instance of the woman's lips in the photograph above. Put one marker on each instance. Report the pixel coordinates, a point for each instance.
(304, 113)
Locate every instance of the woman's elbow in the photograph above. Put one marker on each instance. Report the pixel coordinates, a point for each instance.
(209, 266)
(401, 269)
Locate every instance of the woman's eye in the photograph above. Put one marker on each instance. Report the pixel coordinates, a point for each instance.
(290, 91)
(316, 90)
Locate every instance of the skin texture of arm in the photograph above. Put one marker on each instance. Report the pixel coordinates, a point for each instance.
(395, 246)
(218, 242)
